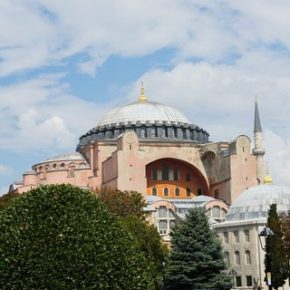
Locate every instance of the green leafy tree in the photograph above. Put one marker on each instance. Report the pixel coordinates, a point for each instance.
(6, 198)
(276, 260)
(62, 237)
(123, 203)
(150, 244)
(128, 207)
(196, 261)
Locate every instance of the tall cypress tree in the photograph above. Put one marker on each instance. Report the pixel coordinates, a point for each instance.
(276, 256)
(196, 261)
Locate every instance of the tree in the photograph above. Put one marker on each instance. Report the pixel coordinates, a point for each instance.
(123, 203)
(62, 237)
(6, 198)
(276, 260)
(128, 207)
(150, 244)
(285, 226)
(197, 260)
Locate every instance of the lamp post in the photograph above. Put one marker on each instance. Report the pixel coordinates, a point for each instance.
(263, 237)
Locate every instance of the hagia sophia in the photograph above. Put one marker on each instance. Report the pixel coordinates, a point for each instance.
(156, 150)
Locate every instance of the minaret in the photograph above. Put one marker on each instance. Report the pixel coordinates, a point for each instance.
(259, 150)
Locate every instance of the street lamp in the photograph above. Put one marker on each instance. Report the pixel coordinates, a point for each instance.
(263, 237)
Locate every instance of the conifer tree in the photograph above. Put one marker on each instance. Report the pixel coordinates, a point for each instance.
(196, 261)
(275, 258)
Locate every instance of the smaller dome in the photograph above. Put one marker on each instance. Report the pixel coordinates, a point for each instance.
(255, 202)
(76, 156)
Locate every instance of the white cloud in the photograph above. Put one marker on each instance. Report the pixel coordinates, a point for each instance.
(40, 114)
(5, 170)
(41, 34)
(278, 152)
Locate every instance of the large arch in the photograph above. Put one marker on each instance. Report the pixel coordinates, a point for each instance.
(174, 178)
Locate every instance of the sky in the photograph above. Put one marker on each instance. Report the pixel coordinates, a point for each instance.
(64, 64)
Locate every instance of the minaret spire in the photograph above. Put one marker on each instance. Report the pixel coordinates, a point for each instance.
(258, 150)
(257, 122)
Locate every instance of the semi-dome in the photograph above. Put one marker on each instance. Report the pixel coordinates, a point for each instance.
(149, 120)
(255, 202)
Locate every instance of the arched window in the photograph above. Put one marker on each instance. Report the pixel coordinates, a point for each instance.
(165, 172)
(175, 174)
(165, 191)
(226, 237)
(227, 258)
(175, 132)
(188, 192)
(237, 238)
(216, 212)
(216, 194)
(71, 171)
(82, 165)
(162, 227)
(248, 257)
(237, 258)
(154, 191)
(154, 174)
(177, 191)
(162, 212)
(247, 235)
(199, 191)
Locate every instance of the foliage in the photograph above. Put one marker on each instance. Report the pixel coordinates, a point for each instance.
(6, 198)
(196, 261)
(150, 244)
(128, 207)
(123, 203)
(285, 226)
(62, 237)
(276, 260)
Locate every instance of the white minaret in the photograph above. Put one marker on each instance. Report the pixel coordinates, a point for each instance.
(259, 150)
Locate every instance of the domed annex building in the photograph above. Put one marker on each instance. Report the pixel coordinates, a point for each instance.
(240, 231)
(156, 150)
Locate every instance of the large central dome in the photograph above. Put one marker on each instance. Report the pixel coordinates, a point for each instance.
(143, 112)
(149, 120)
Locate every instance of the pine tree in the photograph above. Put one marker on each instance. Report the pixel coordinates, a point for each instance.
(196, 261)
(276, 258)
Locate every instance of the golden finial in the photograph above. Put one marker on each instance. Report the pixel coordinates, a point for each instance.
(142, 97)
(267, 177)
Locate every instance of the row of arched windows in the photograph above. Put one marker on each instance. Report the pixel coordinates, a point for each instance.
(237, 258)
(236, 236)
(167, 173)
(166, 191)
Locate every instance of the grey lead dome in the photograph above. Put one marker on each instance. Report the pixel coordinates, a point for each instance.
(143, 112)
(149, 120)
(255, 202)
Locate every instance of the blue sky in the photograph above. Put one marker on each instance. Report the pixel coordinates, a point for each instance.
(64, 64)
